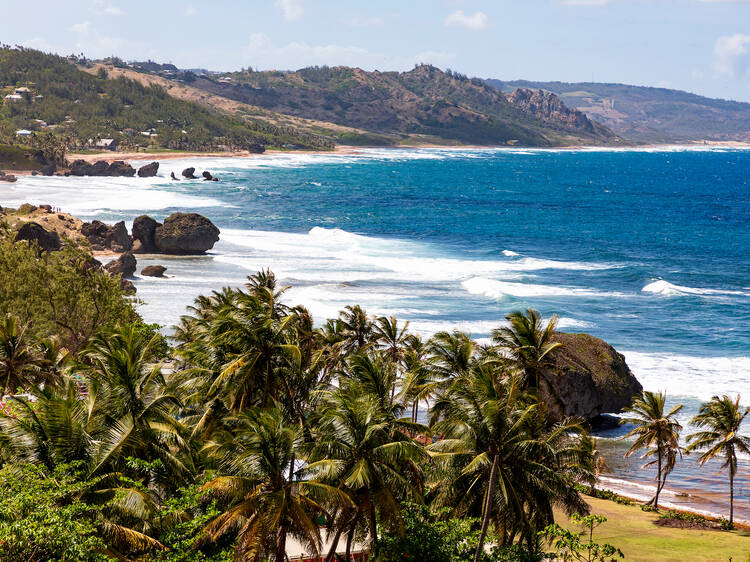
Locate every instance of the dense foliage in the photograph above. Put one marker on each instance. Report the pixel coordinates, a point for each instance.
(81, 106)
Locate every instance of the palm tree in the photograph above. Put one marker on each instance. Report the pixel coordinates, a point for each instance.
(359, 450)
(357, 328)
(721, 419)
(267, 496)
(494, 464)
(528, 342)
(17, 355)
(657, 432)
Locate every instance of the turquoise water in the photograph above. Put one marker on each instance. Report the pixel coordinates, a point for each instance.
(647, 249)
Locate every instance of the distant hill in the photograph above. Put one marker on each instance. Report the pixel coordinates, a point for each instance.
(47, 93)
(649, 114)
(424, 104)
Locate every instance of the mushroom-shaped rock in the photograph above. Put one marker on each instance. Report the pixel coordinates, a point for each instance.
(10, 178)
(124, 265)
(149, 170)
(189, 173)
(103, 236)
(144, 228)
(49, 241)
(186, 233)
(153, 271)
(208, 177)
(587, 377)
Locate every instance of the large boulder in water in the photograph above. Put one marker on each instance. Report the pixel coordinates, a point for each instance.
(587, 378)
(189, 173)
(186, 233)
(124, 265)
(153, 271)
(149, 170)
(144, 230)
(105, 237)
(49, 241)
(120, 168)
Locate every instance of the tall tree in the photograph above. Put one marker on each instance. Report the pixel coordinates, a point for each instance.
(18, 356)
(720, 420)
(657, 432)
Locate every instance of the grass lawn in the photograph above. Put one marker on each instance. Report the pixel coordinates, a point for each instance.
(634, 532)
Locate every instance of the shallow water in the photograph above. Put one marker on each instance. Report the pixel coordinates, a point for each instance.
(644, 248)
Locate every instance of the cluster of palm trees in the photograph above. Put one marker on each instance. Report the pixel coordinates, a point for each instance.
(718, 424)
(290, 426)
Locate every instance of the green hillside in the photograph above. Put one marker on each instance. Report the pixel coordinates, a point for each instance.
(71, 103)
(443, 106)
(650, 114)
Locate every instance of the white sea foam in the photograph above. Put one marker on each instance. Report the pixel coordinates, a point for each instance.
(691, 376)
(510, 253)
(495, 289)
(667, 289)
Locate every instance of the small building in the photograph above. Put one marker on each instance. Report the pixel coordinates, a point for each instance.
(128, 131)
(23, 133)
(106, 144)
(22, 90)
(13, 98)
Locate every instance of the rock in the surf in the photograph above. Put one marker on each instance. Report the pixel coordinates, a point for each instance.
(105, 237)
(124, 265)
(587, 378)
(144, 229)
(153, 271)
(149, 170)
(186, 233)
(189, 173)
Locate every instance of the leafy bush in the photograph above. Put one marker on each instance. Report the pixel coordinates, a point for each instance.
(683, 516)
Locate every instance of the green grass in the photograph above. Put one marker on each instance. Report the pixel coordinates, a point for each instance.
(639, 538)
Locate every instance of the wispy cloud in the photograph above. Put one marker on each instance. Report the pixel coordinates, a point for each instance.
(291, 10)
(585, 2)
(104, 7)
(478, 20)
(262, 52)
(190, 10)
(732, 55)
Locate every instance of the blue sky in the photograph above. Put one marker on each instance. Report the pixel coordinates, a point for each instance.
(701, 46)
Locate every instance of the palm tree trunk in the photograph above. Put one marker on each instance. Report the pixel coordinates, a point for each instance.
(373, 524)
(487, 508)
(658, 480)
(334, 544)
(350, 537)
(731, 496)
(280, 544)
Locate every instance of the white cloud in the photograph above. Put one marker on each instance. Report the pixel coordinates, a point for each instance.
(585, 2)
(104, 7)
(190, 10)
(262, 53)
(360, 21)
(478, 20)
(732, 55)
(292, 10)
(82, 27)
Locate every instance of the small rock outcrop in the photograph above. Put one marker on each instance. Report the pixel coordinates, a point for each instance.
(186, 233)
(124, 265)
(48, 241)
(208, 177)
(149, 170)
(104, 237)
(10, 178)
(153, 271)
(587, 378)
(189, 173)
(120, 168)
(144, 229)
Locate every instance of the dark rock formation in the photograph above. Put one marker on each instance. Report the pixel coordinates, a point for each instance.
(124, 265)
(171, 175)
(105, 237)
(47, 208)
(127, 287)
(49, 241)
(189, 173)
(551, 109)
(144, 228)
(153, 271)
(256, 148)
(208, 177)
(10, 178)
(118, 168)
(149, 170)
(48, 169)
(588, 378)
(186, 233)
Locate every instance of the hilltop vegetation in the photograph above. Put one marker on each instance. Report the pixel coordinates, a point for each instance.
(439, 106)
(80, 106)
(649, 114)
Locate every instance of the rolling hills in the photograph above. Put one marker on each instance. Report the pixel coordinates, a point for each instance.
(644, 114)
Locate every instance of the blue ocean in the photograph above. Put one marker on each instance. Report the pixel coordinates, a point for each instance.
(645, 248)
